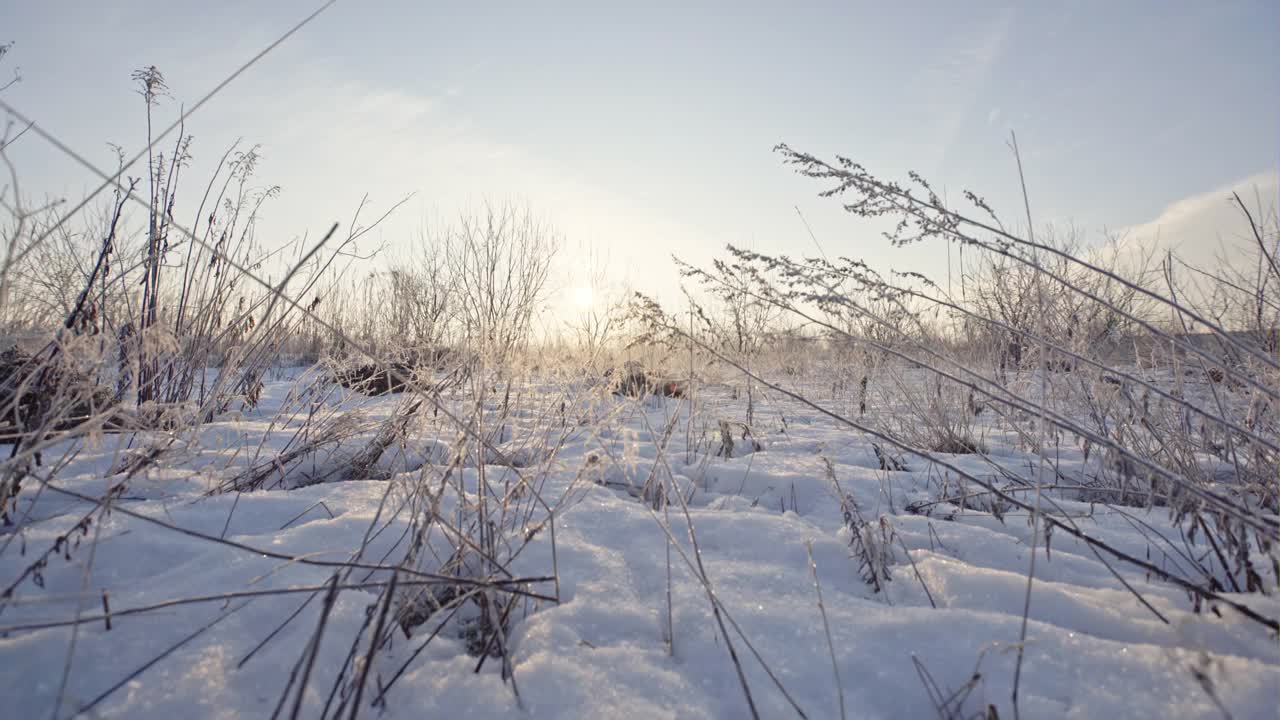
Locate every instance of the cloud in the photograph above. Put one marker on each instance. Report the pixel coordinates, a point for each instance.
(954, 81)
(392, 108)
(1206, 228)
(328, 143)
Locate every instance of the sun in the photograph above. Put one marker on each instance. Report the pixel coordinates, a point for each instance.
(583, 298)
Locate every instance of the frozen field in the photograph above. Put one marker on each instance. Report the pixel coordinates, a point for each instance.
(625, 568)
(826, 361)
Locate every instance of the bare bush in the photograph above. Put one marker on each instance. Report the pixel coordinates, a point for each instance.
(499, 262)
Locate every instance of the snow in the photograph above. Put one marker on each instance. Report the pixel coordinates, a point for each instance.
(603, 651)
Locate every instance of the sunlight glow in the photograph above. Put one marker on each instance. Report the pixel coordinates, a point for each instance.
(583, 298)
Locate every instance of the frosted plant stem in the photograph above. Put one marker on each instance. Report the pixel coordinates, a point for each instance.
(1044, 431)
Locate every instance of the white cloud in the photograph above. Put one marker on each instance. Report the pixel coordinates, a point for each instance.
(1204, 228)
(330, 142)
(962, 67)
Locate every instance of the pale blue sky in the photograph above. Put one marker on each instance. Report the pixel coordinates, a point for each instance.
(646, 129)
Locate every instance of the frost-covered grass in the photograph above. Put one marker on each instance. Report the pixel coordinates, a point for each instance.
(1053, 493)
(218, 602)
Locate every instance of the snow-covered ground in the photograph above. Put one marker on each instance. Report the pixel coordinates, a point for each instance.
(935, 633)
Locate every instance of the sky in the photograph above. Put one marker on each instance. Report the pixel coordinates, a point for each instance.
(643, 130)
